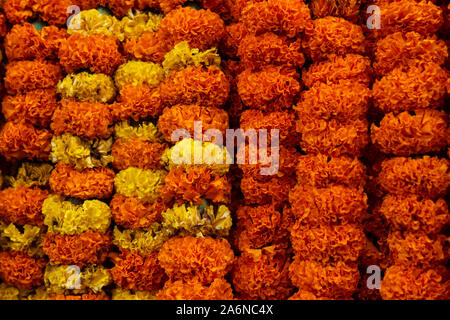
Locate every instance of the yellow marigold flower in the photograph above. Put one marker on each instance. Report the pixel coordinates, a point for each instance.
(143, 184)
(122, 294)
(28, 240)
(198, 220)
(182, 56)
(145, 131)
(79, 152)
(64, 217)
(139, 73)
(38, 294)
(143, 241)
(13, 293)
(92, 21)
(60, 279)
(87, 87)
(189, 152)
(8, 293)
(31, 174)
(135, 24)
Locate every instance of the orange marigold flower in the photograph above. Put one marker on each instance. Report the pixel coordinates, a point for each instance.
(399, 48)
(132, 271)
(287, 17)
(19, 270)
(203, 258)
(84, 119)
(328, 242)
(219, 289)
(147, 47)
(307, 295)
(259, 227)
(202, 29)
(405, 134)
(412, 213)
(35, 107)
(348, 67)
(85, 184)
(31, 75)
(270, 49)
(321, 171)
(268, 89)
(184, 116)
(87, 248)
(135, 213)
(282, 120)
(22, 205)
(234, 33)
(3, 25)
(98, 53)
(137, 102)
(275, 190)
(84, 296)
(20, 140)
(333, 36)
(423, 17)
(336, 8)
(262, 274)
(405, 282)
(207, 87)
(18, 11)
(53, 11)
(343, 100)
(416, 248)
(333, 279)
(137, 153)
(334, 138)
(194, 183)
(334, 204)
(428, 176)
(418, 85)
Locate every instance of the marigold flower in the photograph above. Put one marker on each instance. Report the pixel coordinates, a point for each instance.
(326, 243)
(283, 121)
(333, 279)
(333, 204)
(138, 103)
(87, 87)
(35, 107)
(139, 73)
(202, 29)
(405, 134)
(347, 67)
(135, 24)
(428, 176)
(334, 138)
(59, 279)
(343, 100)
(91, 22)
(84, 119)
(18, 11)
(275, 190)
(321, 171)
(399, 48)
(418, 85)
(81, 153)
(31, 174)
(98, 53)
(20, 270)
(204, 86)
(122, 294)
(262, 274)
(147, 47)
(183, 117)
(22, 205)
(132, 271)
(268, 90)
(143, 184)
(31, 75)
(204, 259)
(52, 11)
(27, 239)
(219, 289)
(87, 248)
(145, 131)
(20, 140)
(270, 49)
(234, 33)
(134, 212)
(287, 17)
(405, 282)
(412, 213)
(336, 8)
(84, 296)
(137, 153)
(64, 217)
(85, 184)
